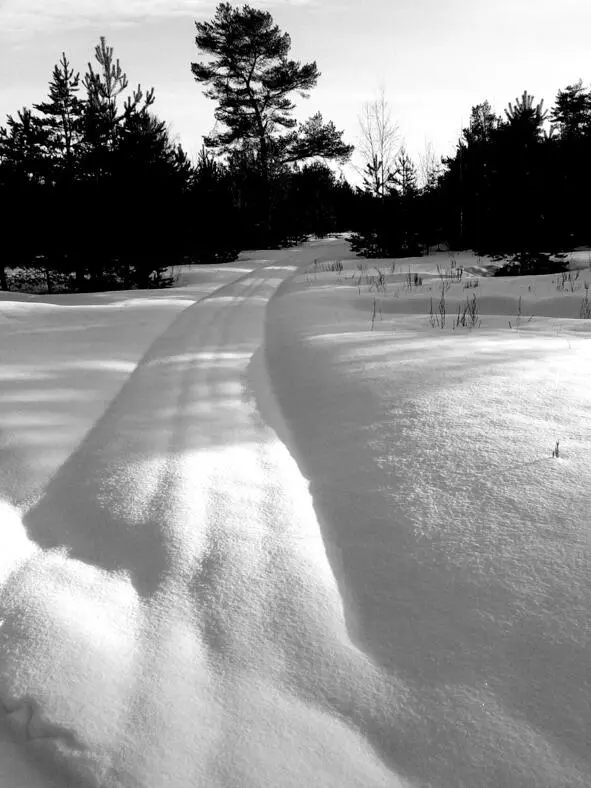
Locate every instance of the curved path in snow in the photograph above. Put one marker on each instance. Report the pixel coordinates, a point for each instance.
(168, 614)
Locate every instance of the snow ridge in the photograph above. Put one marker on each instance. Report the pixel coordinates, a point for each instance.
(170, 617)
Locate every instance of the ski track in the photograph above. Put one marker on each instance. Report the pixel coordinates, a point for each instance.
(168, 613)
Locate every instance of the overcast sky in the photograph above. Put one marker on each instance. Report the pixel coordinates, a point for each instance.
(434, 58)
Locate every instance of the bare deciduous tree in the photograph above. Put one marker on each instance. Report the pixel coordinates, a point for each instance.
(378, 145)
(429, 167)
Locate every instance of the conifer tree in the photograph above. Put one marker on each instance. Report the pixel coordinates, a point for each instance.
(253, 80)
(24, 147)
(572, 111)
(526, 117)
(405, 177)
(103, 88)
(250, 76)
(63, 115)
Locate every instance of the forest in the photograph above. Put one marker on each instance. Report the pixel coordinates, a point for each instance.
(95, 193)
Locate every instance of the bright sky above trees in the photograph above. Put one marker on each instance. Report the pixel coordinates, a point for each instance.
(434, 58)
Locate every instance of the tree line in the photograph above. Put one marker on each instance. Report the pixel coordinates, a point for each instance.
(95, 192)
(516, 185)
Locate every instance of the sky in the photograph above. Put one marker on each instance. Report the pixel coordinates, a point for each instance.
(434, 60)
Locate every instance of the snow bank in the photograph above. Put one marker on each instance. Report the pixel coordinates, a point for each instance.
(180, 606)
(462, 545)
(169, 613)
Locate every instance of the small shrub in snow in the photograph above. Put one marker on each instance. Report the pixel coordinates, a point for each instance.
(556, 450)
(453, 273)
(413, 279)
(585, 312)
(568, 281)
(437, 319)
(468, 314)
(520, 316)
(528, 263)
(376, 308)
(377, 281)
(333, 265)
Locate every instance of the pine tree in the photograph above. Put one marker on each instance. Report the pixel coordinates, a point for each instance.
(482, 126)
(252, 79)
(525, 117)
(103, 88)
(24, 174)
(406, 185)
(405, 177)
(572, 111)
(250, 76)
(63, 115)
(24, 148)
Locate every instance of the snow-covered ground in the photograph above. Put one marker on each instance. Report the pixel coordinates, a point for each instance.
(278, 527)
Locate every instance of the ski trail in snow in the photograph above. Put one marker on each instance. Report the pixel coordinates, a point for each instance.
(170, 616)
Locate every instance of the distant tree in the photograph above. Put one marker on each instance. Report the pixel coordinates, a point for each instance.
(151, 176)
(312, 200)
(119, 133)
(405, 177)
(430, 209)
(213, 222)
(483, 124)
(568, 165)
(251, 77)
(24, 148)
(103, 87)
(313, 139)
(525, 116)
(406, 186)
(465, 191)
(105, 112)
(24, 178)
(378, 146)
(429, 168)
(572, 111)
(62, 116)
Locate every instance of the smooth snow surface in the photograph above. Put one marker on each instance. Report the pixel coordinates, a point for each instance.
(405, 603)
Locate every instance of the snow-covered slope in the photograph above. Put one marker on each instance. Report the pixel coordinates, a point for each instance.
(462, 545)
(168, 613)
(179, 606)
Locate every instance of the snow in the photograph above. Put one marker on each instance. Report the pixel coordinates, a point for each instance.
(249, 539)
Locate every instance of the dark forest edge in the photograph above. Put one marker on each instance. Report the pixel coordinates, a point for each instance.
(95, 194)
